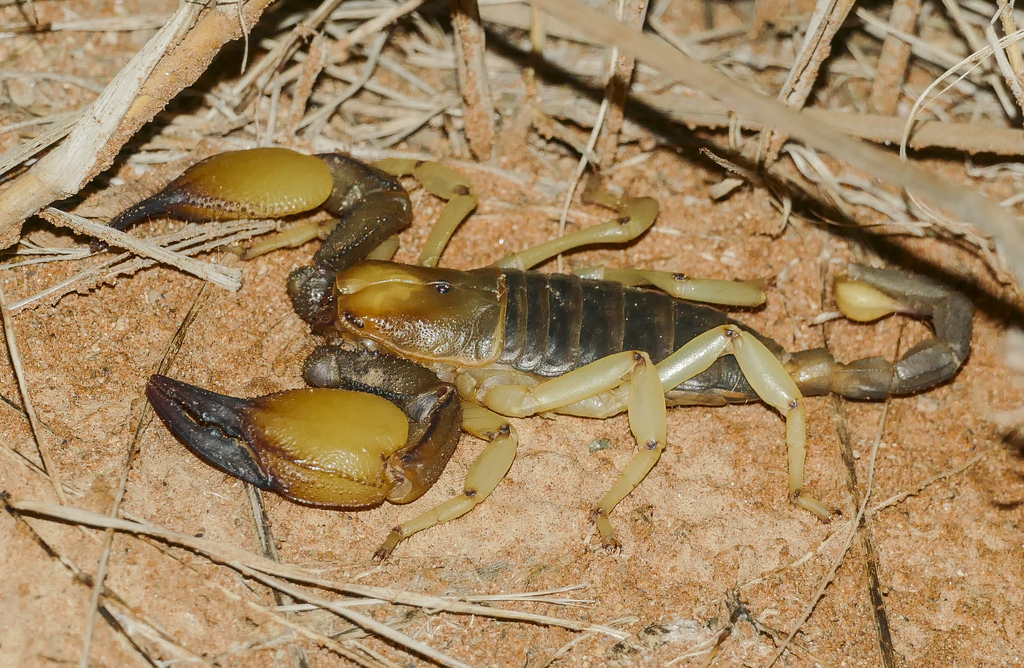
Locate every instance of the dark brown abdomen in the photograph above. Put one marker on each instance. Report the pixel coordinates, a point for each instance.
(555, 323)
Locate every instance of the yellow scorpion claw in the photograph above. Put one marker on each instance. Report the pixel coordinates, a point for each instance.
(321, 447)
(239, 184)
(352, 442)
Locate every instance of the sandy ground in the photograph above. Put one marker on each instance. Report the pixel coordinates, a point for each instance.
(710, 525)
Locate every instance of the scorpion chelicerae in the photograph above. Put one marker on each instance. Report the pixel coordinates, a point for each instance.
(426, 351)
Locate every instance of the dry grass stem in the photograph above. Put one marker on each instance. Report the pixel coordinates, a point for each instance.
(225, 277)
(923, 134)
(119, 24)
(895, 58)
(854, 527)
(261, 567)
(42, 444)
(66, 169)
(154, 645)
(1000, 48)
(189, 241)
(473, 78)
(21, 153)
(315, 120)
(925, 98)
(151, 642)
(318, 638)
(925, 484)
(922, 49)
(976, 43)
(368, 623)
(87, 84)
(825, 22)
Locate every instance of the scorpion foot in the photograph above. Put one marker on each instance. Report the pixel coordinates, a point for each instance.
(609, 542)
(389, 544)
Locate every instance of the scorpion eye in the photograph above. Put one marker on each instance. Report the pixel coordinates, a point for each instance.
(442, 287)
(353, 320)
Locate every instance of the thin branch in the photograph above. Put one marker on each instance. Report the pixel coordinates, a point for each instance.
(225, 277)
(26, 399)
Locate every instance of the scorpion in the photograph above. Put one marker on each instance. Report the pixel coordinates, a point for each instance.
(421, 353)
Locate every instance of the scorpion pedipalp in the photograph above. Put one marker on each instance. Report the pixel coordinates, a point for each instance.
(321, 447)
(373, 428)
(240, 184)
(433, 409)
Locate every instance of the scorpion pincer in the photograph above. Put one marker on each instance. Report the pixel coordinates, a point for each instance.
(424, 351)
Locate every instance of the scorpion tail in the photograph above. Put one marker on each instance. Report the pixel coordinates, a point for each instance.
(867, 294)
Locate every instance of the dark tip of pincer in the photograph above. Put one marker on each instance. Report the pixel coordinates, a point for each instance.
(209, 424)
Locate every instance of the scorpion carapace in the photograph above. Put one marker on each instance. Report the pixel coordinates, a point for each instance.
(428, 350)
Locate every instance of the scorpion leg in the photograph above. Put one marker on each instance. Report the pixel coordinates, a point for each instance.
(645, 408)
(646, 411)
(442, 182)
(867, 294)
(636, 215)
(763, 371)
(770, 381)
(292, 237)
(483, 476)
(704, 290)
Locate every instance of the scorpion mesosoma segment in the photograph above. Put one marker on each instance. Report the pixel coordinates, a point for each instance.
(426, 351)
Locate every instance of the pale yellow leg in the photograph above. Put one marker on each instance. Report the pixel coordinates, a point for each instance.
(295, 236)
(645, 407)
(647, 421)
(550, 395)
(636, 215)
(385, 251)
(762, 370)
(704, 290)
(291, 237)
(769, 380)
(442, 182)
(483, 476)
